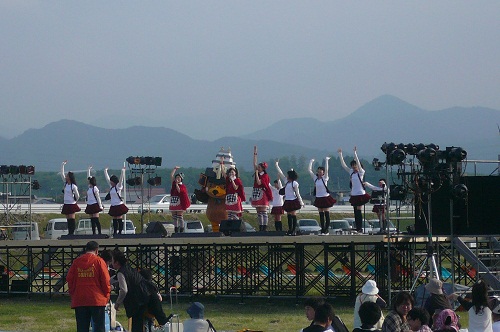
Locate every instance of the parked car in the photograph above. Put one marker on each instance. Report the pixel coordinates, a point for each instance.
(376, 226)
(340, 226)
(128, 228)
(156, 204)
(84, 227)
(55, 228)
(25, 231)
(308, 226)
(367, 227)
(193, 226)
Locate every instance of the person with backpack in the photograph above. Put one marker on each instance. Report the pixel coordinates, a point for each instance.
(323, 201)
(71, 196)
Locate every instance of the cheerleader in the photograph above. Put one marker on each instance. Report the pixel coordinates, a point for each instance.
(235, 193)
(261, 194)
(323, 201)
(359, 197)
(293, 200)
(179, 200)
(277, 204)
(94, 204)
(71, 196)
(117, 208)
(382, 192)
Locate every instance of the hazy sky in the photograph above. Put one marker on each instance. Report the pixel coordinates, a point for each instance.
(189, 65)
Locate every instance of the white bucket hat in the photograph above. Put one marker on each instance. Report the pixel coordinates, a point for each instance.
(370, 288)
(434, 286)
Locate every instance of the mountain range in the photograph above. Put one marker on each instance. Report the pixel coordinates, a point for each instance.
(384, 119)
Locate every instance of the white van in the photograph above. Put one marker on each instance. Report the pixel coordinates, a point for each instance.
(84, 227)
(22, 231)
(55, 228)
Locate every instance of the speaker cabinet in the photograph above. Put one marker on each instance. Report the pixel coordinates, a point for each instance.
(231, 226)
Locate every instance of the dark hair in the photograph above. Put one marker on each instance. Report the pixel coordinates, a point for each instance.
(324, 313)
(321, 168)
(106, 255)
(419, 313)
(146, 274)
(369, 313)
(93, 181)
(119, 257)
(402, 297)
(235, 170)
(114, 179)
(275, 181)
(479, 296)
(353, 163)
(92, 246)
(71, 177)
(313, 302)
(292, 175)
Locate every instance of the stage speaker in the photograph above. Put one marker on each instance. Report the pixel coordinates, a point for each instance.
(21, 286)
(187, 235)
(85, 237)
(156, 227)
(477, 214)
(231, 226)
(253, 234)
(138, 236)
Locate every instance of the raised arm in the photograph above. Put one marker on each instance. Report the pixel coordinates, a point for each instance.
(122, 176)
(255, 157)
(342, 162)
(327, 176)
(372, 187)
(278, 169)
(88, 171)
(172, 174)
(310, 169)
(357, 160)
(106, 176)
(63, 175)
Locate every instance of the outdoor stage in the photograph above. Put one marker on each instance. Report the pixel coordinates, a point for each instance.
(243, 266)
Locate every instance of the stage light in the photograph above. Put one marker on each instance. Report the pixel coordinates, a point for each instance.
(411, 149)
(155, 181)
(30, 170)
(134, 181)
(426, 156)
(419, 147)
(4, 169)
(433, 146)
(384, 148)
(455, 154)
(13, 169)
(35, 185)
(460, 191)
(396, 157)
(157, 161)
(147, 161)
(397, 192)
(133, 160)
(22, 169)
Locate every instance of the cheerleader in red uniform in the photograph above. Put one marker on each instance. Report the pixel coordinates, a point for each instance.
(179, 200)
(71, 196)
(323, 201)
(94, 204)
(117, 208)
(235, 193)
(262, 193)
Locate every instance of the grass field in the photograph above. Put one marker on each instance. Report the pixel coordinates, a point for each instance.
(43, 314)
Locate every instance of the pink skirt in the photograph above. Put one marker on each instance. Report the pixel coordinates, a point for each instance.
(118, 210)
(277, 210)
(70, 209)
(259, 198)
(93, 208)
(324, 202)
(359, 200)
(290, 206)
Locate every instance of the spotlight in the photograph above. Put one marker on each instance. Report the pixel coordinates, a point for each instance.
(4, 169)
(396, 157)
(397, 192)
(157, 161)
(411, 149)
(30, 170)
(460, 191)
(455, 154)
(13, 169)
(426, 156)
(134, 181)
(147, 161)
(133, 160)
(35, 185)
(155, 181)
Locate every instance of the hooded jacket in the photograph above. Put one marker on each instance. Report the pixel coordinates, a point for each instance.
(88, 281)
